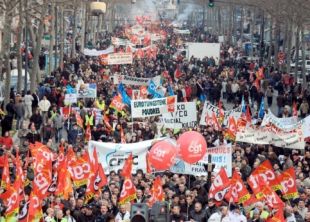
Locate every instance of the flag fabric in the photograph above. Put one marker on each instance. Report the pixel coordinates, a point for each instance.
(215, 122)
(264, 173)
(219, 186)
(177, 73)
(152, 89)
(88, 133)
(248, 116)
(123, 138)
(157, 192)
(287, 180)
(35, 208)
(170, 90)
(79, 120)
(127, 168)
(231, 129)
(11, 199)
(221, 113)
(5, 180)
(128, 192)
(148, 165)
(277, 217)
(79, 176)
(237, 192)
(117, 103)
(243, 106)
(272, 200)
(125, 98)
(66, 111)
(143, 92)
(261, 111)
(106, 121)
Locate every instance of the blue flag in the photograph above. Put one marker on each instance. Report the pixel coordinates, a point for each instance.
(261, 111)
(125, 98)
(152, 90)
(170, 90)
(202, 97)
(70, 90)
(243, 106)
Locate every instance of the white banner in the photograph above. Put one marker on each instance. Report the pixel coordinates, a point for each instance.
(185, 116)
(94, 52)
(154, 107)
(119, 58)
(181, 31)
(135, 81)
(88, 90)
(208, 108)
(293, 139)
(221, 156)
(119, 41)
(289, 123)
(112, 156)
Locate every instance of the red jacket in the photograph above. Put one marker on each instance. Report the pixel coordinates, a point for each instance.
(7, 142)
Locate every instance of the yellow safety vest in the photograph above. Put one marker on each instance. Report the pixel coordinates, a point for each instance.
(89, 120)
(100, 106)
(53, 114)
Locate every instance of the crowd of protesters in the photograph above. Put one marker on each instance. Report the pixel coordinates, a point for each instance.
(37, 117)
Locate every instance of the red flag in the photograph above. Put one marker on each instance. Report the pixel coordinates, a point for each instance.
(215, 122)
(123, 138)
(271, 198)
(157, 192)
(277, 217)
(221, 113)
(288, 183)
(209, 120)
(237, 192)
(219, 186)
(107, 122)
(35, 209)
(248, 116)
(177, 73)
(79, 120)
(5, 180)
(80, 170)
(295, 111)
(88, 133)
(117, 103)
(148, 165)
(128, 191)
(66, 111)
(126, 172)
(232, 129)
(143, 92)
(11, 198)
(263, 173)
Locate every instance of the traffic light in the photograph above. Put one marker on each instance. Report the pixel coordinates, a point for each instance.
(211, 3)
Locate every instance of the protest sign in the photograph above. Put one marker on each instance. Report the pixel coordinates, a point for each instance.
(88, 90)
(208, 108)
(112, 155)
(136, 94)
(119, 58)
(119, 41)
(70, 98)
(135, 81)
(154, 107)
(221, 156)
(184, 116)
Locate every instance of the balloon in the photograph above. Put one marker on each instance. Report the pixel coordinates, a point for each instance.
(162, 155)
(193, 146)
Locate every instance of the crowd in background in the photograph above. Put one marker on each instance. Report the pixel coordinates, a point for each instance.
(37, 117)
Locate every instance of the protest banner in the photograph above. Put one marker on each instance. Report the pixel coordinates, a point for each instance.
(184, 116)
(112, 155)
(88, 90)
(293, 139)
(287, 124)
(98, 112)
(208, 108)
(94, 52)
(221, 156)
(135, 81)
(119, 58)
(154, 107)
(119, 41)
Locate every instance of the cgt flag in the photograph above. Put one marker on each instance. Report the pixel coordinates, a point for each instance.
(288, 184)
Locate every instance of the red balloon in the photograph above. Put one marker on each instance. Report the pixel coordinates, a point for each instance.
(162, 155)
(193, 146)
